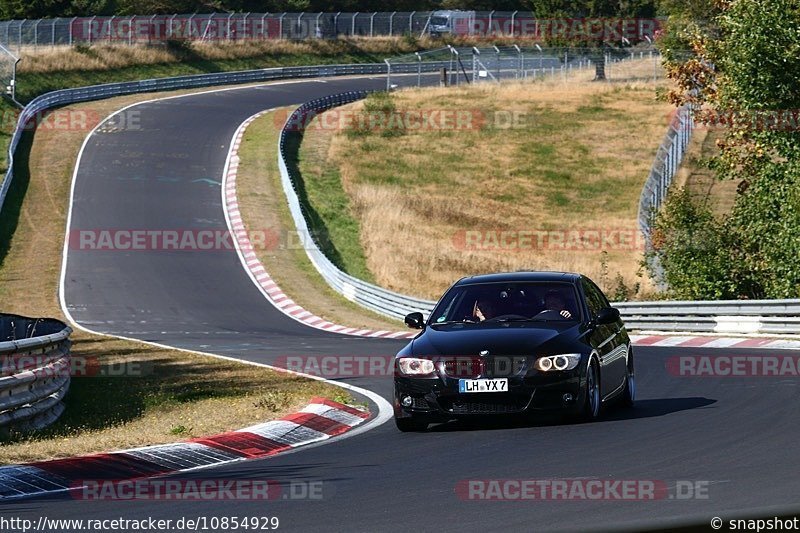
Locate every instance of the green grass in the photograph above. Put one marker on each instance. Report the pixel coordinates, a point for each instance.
(327, 205)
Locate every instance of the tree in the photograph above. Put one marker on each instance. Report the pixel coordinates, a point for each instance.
(744, 73)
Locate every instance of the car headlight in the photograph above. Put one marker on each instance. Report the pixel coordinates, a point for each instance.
(564, 361)
(412, 366)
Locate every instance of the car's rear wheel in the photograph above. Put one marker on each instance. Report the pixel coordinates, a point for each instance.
(629, 394)
(411, 423)
(591, 404)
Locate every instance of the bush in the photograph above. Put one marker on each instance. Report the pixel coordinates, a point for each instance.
(692, 251)
(379, 114)
(751, 254)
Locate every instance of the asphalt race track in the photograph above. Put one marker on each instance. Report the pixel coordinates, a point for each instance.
(735, 436)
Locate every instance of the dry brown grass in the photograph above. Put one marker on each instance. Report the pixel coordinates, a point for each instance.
(183, 395)
(106, 57)
(579, 164)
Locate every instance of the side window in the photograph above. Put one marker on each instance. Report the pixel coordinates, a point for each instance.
(599, 293)
(595, 300)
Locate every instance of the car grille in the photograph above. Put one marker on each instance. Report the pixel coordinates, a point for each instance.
(464, 367)
(473, 367)
(419, 403)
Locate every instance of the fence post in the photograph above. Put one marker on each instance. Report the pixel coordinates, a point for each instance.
(91, 27)
(411, 22)
(280, 25)
(475, 54)
(150, 29)
(353, 29)
(391, 23)
(489, 27)
(513, 16)
(419, 69)
(372, 24)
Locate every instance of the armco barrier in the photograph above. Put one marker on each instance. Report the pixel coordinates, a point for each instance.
(35, 371)
(755, 316)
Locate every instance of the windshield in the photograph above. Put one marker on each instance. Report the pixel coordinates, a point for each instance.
(438, 21)
(500, 302)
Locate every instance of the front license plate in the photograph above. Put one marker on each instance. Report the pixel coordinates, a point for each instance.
(483, 385)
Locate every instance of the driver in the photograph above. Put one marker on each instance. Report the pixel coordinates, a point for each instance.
(483, 310)
(554, 301)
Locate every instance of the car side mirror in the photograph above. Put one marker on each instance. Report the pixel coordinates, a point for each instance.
(415, 320)
(607, 315)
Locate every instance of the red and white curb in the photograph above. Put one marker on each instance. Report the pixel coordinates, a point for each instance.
(703, 341)
(318, 421)
(256, 269)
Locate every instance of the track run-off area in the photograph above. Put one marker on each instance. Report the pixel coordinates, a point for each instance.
(718, 446)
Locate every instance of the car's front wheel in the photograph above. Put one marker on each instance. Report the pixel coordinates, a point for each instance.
(629, 394)
(411, 423)
(591, 404)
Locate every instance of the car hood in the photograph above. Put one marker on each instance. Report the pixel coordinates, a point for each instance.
(500, 339)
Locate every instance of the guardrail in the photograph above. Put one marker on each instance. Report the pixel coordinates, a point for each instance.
(731, 317)
(35, 371)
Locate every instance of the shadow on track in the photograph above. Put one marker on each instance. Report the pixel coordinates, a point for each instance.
(642, 409)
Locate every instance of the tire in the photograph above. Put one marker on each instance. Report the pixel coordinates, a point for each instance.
(628, 397)
(411, 424)
(592, 401)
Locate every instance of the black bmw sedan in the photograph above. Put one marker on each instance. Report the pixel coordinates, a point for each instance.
(521, 342)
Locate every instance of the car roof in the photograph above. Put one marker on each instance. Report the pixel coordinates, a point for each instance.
(568, 277)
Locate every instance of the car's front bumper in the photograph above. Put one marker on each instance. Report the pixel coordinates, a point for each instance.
(438, 398)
